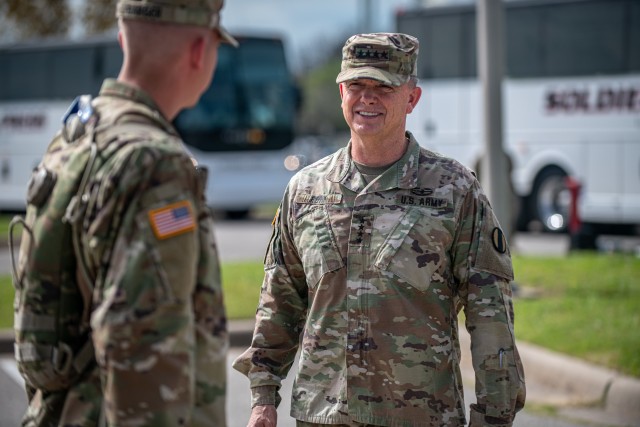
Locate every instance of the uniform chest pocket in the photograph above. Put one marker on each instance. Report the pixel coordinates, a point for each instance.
(316, 245)
(415, 250)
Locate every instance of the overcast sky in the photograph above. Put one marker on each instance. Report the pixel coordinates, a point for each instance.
(309, 26)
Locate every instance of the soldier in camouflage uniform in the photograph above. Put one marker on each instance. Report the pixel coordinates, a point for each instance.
(158, 322)
(375, 250)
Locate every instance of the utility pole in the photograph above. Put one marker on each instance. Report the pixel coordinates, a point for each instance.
(494, 171)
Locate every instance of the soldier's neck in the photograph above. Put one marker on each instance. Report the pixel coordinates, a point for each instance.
(377, 151)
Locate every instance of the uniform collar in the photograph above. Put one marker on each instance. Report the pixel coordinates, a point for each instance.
(118, 89)
(402, 174)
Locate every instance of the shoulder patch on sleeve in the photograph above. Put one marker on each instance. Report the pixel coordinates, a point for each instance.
(498, 240)
(493, 255)
(172, 220)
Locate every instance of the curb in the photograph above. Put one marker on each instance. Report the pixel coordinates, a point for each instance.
(560, 380)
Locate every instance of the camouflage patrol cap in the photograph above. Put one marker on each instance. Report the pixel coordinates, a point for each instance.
(388, 57)
(199, 13)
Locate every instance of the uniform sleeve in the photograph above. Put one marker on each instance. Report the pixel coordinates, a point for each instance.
(212, 338)
(280, 314)
(483, 272)
(143, 318)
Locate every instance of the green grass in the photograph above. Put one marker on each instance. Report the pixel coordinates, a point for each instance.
(241, 289)
(6, 302)
(4, 227)
(241, 283)
(586, 305)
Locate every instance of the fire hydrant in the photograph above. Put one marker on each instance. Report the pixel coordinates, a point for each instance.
(579, 240)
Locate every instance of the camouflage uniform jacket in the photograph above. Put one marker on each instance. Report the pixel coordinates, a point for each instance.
(158, 321)
(371, 278)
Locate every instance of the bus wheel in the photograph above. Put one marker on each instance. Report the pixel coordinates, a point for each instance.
(551, 200)
(237, 214)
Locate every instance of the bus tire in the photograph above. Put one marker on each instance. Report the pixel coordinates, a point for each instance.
(237, 214)
(550, 200)
(523, 217)
(584, 238)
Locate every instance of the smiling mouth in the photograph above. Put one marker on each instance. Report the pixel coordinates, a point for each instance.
(368, 114)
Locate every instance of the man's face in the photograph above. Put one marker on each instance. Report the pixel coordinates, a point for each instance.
(374, 108)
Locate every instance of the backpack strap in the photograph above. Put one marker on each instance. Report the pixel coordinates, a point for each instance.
(132, 117)
(17, 280)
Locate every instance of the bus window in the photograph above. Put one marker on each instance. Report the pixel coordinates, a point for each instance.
(524, 43)
(70, 69)
(250, 104)
(633, 26)
(584, 39)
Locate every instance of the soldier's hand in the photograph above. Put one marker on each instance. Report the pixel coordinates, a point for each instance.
(263, 416)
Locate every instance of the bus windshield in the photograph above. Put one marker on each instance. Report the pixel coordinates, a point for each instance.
(250, 104)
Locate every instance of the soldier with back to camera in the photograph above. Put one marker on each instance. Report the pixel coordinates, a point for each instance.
(152, 343)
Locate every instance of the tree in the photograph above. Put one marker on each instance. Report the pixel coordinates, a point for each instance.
(25, 19)
(37, 18)
(321, 113)
(98, 16)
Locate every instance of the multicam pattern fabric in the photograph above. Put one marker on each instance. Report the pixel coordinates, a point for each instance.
(158, 321)
(371, 278)
(387, 57)
(200, 13)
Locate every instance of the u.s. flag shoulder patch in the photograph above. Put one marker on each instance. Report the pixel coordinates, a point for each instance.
(172, 220)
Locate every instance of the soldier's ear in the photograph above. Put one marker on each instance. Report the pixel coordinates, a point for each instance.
(414, 97)
(197, 51)
(120, 39)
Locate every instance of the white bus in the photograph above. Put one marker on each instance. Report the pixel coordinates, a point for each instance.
(571, 100)
(242, 129)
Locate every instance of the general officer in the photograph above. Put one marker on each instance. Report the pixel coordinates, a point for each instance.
(375, 250)
(158, 322)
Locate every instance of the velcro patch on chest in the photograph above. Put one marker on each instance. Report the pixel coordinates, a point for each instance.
(424, 201)
(172, 220)
(318, 199)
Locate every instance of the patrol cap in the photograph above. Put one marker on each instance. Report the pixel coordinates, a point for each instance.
(388, 57)
(199, 13)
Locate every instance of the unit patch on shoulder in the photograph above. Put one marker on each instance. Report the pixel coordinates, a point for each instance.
(499, 241)
(172, 220)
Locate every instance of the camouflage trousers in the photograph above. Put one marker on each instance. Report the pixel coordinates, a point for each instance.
(353, 424)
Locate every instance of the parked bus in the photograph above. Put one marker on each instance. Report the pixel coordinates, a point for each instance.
(571, 103)
(242, 128)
